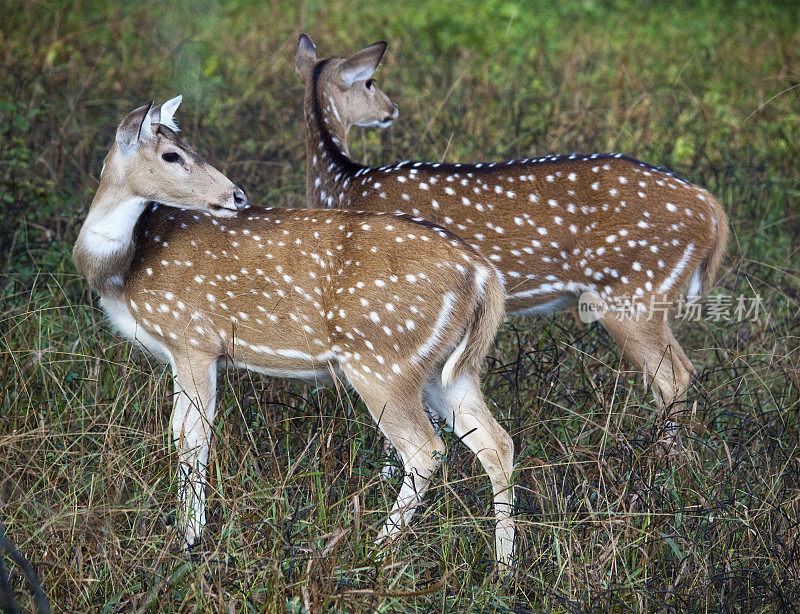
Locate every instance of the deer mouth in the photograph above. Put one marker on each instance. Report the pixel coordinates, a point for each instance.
(387, 121)
(225, 210)
(381, 123)
(378, 123)
(238, 202)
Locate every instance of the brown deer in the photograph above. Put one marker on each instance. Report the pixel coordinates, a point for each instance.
(626, 233)
(399, 309)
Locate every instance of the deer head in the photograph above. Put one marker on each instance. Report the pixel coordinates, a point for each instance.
(150, 161)
(346, 84)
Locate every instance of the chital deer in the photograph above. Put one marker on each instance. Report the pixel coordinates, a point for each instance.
(556, 226)
(400, 310)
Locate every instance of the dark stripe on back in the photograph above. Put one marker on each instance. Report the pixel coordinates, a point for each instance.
(484, 168)
(335, 153)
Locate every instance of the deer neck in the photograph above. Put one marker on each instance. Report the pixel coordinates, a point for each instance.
(104, 248)
(330, 170)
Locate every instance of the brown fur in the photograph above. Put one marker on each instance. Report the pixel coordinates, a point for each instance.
(713, 260)
(554, 226)
(134, 172)
(221, 250)
(379, 300)
(489, 314)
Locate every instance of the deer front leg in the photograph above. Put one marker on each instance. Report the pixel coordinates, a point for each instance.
(192, 417)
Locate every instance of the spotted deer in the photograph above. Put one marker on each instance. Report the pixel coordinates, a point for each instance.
(625, 233)
(399, 309)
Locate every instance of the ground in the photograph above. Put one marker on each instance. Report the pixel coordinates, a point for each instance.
(607, 522)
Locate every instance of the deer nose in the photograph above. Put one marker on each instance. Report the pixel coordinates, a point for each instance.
(239, 199)
(394, 114)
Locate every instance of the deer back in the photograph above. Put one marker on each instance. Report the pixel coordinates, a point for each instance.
(285, 291)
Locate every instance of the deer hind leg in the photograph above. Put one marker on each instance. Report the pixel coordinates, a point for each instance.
(390, 465)
(681, 355)
(401, 417)
(654, 351)
(463, 407)
(195, 382)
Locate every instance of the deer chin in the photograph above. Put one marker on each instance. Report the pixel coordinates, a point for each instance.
(218, 210)
(215, 209)
(376, 124)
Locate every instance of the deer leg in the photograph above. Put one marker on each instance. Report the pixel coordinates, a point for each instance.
(653, 350)
(390, 467)
(681, 355)
(403, 421)
(195, 381)
(463, 407)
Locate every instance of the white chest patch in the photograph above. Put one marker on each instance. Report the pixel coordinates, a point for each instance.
(107, 232)
(120, 317)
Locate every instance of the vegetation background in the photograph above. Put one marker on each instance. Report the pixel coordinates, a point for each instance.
(607, 523)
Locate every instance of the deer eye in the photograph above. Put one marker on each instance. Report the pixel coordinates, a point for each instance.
(171, 156)
(369, 83)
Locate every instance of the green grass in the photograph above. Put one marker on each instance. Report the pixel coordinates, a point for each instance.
(87, 480)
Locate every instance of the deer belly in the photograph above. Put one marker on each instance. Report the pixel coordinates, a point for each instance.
(534, 297)
(538, 307)
(284, 362)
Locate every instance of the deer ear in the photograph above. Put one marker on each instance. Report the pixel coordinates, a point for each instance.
(306, 56)
(361, 65)
(168, 111)
(163, 113)
(134, 128)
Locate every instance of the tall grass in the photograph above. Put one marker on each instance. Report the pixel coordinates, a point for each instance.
(607, 522)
